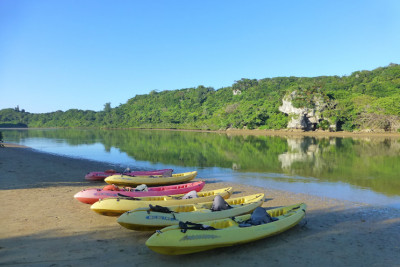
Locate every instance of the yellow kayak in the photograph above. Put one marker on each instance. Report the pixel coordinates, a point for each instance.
(180, 239)
(150, 180)
(117, 206)
(145, 220)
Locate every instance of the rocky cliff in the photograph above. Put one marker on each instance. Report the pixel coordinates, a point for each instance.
(304, 118)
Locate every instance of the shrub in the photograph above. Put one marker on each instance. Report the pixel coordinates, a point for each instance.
(324, 125)
(348, 126)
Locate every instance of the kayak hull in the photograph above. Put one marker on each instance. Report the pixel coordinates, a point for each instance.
(100, 176)
(146, 220)
(117, 206)
(92, 195)
(153, 180)
(172, 241)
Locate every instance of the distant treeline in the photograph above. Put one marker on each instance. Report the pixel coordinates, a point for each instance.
(363, 100)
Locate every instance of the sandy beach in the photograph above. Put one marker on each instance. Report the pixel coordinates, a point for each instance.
(43, 225)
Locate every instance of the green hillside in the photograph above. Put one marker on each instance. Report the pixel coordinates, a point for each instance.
(362, 100)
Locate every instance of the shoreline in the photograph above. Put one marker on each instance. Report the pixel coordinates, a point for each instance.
(43, 225)
(257, 132)
(314, 133)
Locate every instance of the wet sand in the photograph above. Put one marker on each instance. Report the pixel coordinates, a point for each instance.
(43, 225)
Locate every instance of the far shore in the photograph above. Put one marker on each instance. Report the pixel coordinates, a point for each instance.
(317, 133)
(257, 132)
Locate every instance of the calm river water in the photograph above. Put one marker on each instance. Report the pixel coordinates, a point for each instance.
(363, 170)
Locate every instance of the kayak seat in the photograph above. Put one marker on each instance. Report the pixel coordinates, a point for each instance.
(258, 217)
(191, 194)
(141, 187)
(219, 204)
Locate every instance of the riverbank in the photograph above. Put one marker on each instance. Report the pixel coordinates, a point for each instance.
(281, 132)
(317, 133)
(293, 133)
(43, 225)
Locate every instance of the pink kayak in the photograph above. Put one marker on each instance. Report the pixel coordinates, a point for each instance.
(92, 195)
(99, 176)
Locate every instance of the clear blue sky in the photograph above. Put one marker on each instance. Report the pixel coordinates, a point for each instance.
(64, 54)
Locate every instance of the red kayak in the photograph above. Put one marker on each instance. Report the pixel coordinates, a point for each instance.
(92, 195)
(100, 176)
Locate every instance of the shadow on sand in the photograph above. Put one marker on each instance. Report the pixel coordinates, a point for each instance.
(353, 237)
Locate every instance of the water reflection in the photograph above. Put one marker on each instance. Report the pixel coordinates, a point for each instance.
(370, 163)
(300, 150)
(366, 163)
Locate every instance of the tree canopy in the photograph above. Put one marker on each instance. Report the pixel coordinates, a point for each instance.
(352, 102)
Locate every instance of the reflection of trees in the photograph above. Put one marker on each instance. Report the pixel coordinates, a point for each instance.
(244, 153)
(308, 152)
(300, 150)
(371, 163)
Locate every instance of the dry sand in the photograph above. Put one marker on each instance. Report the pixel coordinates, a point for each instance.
(43, 225)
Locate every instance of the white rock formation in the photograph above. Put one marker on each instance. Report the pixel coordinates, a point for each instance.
(302, 118)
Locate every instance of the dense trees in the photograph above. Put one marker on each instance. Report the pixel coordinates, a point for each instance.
(351, 102)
